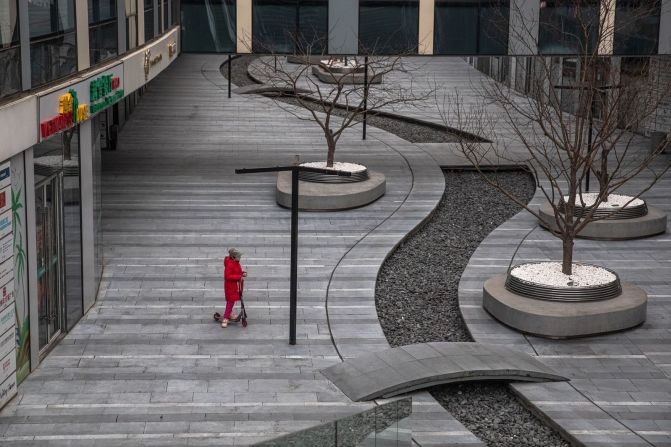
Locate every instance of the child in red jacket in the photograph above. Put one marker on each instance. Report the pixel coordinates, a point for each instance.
(233, 273)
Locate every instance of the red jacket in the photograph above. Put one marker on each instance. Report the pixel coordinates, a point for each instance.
(232, 275)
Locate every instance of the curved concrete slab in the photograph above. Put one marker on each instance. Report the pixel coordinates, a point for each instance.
(408, 368)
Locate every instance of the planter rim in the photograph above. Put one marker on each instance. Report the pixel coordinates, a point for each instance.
(540, 291)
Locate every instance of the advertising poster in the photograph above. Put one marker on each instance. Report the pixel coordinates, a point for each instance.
(19, 263)
(7, 306)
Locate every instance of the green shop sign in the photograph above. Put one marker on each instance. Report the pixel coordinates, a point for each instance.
(104, 91)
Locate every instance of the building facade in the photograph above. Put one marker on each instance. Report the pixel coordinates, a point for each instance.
(70, 73)
(426, 27)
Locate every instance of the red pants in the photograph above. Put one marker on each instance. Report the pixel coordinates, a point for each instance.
(229, 309)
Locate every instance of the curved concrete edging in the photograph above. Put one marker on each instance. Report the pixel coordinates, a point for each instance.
(431, 424)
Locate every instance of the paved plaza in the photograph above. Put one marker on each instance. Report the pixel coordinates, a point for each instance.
(148, 366)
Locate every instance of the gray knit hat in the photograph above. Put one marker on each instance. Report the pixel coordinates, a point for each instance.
(234, 253)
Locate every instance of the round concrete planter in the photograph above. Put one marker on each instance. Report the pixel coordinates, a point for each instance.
(331, 196)
(356, 78)
(558, 319)
(654, 222)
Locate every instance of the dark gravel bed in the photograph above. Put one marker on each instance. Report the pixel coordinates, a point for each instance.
(416, 300)
(412, 132)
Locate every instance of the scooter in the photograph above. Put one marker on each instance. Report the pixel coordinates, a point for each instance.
(242, 316)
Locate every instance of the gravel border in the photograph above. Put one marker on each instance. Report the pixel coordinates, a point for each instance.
(409, 131)
(416, 300)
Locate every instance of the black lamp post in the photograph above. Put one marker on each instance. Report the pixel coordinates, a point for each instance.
(295, 169)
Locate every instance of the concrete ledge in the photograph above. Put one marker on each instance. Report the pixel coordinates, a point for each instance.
(651, 224)
(556, 319)
(329, 196)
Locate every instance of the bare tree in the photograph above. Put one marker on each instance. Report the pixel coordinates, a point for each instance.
(561, 141)
(346, 90)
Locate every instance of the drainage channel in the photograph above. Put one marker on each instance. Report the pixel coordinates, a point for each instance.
(416, 301)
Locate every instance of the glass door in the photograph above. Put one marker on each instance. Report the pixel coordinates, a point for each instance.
(49, 259)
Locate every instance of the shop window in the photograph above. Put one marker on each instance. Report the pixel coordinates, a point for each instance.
(568, 26)
(103, 30)
(471, 27)
(636, 27)
(388, 26)
(174, 12)
(164, 16)
(290, 26)
(148, 20)
(53, 43)
(208, 26)
(10, 54)
(58, 234)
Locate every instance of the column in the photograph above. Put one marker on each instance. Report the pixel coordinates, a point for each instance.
(88, 239)
(243, 25)
(426, 21)
(140, 22)
(31, 237)
(82, 20)
(343, 27)
(665, 28)
(606, 27)
(523, 28)
(121, 26)
(24, 39)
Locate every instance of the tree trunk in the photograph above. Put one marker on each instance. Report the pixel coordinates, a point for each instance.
(603, 178)
(330, 156)
(567, 256)
(67, 140)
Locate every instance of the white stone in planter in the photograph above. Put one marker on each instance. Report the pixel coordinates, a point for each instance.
(614, 201)
(550, 274)
(337, 166)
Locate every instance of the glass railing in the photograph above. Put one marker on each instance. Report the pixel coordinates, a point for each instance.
(381, 426)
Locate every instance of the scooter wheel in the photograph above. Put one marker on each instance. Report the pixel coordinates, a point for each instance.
(217, 316)
(244, 323)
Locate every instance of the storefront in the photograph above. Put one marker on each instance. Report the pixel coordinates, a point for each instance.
(51, 253)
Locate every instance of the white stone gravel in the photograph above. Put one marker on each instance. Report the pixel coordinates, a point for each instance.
(337, 166)
(550, 274)
(614, 201)
(337, 63)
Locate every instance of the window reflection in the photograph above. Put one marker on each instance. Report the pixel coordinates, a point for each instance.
(636, 27)
(148, 20)
(471, 27)
(208, 26)
(568, 26)
(10, 55)
(53, 47)
(290, 26)
(388, 26)
(103, 30)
